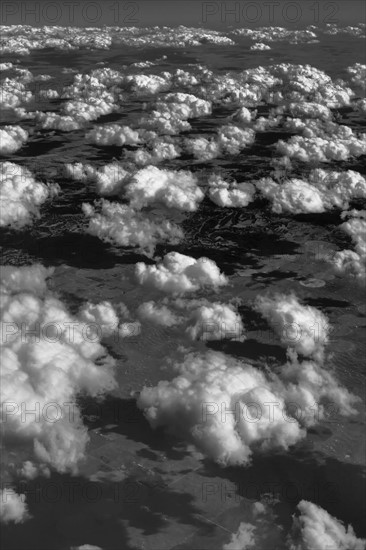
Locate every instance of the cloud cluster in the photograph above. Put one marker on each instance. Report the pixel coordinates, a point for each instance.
(321, 191)
(199, 319)
(230, 139)
(48, 357)
(179, 274)
(21, 195)
(229, 409)
(311, 529)
(339, 145)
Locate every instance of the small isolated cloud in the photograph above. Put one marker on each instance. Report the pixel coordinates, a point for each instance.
(179, 274)
(233, 194)
(13, 508)
(303, 328)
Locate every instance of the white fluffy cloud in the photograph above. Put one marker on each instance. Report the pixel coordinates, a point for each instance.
(12, 138)
(108, 179)
(228, 408)
(13, 508)
(231, 194)
(313, 528)
(103, 320)
(351, 262)
(303, 328)
(21, 195)
(114, 134)
(316, 528)
(175, 189)
(122, 225)
(179, 274)
(48, 357)
(321, 191)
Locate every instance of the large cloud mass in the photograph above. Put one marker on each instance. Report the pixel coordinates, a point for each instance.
(48, 357)
(230, 409)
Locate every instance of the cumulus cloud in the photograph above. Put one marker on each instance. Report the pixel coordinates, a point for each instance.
(351, 262)
(324, 149)
(108, 179)
(123, 226)
(114, 134)
(311, 529)
(199, 319)
(230, 194)
(215, 321)
(178, 274)
(303, 328)
(158, 314)
(260, 46)
(315, 528)
(12, 138)
(13, 508)
(21, 195)
(229, 409)
(321, 191)
(48, 357)
(175, 189)
(103, 320)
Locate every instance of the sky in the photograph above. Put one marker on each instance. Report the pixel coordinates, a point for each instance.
(196, 13)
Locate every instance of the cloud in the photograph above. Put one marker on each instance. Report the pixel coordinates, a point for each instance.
(13, 508)
(21, 195)
(349, 262)
(232, 195)
(158, 314)
(316, 528)
(174, 189)
(323, 190)
(313, 528)
(49, 357)
(12, 138)
(114, 134)
(123, 226)
(230, 409)
(179, 274)
(303, 328)
(259, 46)
(108, 180)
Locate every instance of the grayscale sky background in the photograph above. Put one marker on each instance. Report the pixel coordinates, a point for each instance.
(196, 13)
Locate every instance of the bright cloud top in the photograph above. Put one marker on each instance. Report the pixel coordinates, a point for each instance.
(21, 195)
(303, 328)
(229, 409)
(178, 274)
